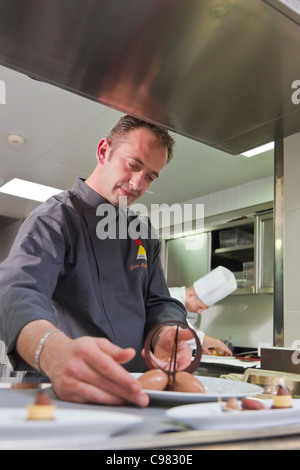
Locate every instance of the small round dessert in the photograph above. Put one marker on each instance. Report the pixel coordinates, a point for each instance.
(283, 399)
(42, 408)
(185, 382)
(154, 379)
(232, 404)
(252, 404)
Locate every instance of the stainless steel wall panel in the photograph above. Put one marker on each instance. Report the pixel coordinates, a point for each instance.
(218, 71)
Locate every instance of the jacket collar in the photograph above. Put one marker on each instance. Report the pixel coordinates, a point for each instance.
(89, 196)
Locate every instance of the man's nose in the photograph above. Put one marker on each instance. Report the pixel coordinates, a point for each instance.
(137, 181)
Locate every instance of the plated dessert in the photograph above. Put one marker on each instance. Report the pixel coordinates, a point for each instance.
(282, 400)
(43, 409)
(156, 379)
(167, 377)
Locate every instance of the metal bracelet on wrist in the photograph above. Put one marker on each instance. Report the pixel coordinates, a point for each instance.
(40, 348)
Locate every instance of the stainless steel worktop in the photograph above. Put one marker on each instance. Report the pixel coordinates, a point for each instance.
(154, 432)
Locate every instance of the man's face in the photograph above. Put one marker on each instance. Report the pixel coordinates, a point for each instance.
(194, 304)
(131, 166)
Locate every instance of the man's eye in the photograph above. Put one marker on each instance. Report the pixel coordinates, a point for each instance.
(133, 166)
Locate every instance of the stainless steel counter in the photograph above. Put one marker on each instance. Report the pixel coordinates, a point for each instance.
(154, 432)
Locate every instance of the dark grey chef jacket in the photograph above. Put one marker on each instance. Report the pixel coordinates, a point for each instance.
(59, 270)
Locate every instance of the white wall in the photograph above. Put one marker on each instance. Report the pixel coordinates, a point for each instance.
(291, 239)
(239, 197)
(245, 319)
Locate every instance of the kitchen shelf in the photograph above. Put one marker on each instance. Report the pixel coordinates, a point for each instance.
(240, 250)
(237, 252)
(249, 257)
(233, 257)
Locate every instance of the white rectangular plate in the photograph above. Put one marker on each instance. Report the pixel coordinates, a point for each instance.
(66, 424)
(215, 389)
(210, 416)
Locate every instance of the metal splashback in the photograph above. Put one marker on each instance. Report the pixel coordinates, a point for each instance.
(218, 71)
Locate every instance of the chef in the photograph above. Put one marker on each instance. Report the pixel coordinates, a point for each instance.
(77, 299)
(204, 293)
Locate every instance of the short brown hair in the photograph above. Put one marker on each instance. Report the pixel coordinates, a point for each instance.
(128, 123)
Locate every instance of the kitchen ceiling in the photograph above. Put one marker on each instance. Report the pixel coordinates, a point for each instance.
(62, 129)
(218, 71)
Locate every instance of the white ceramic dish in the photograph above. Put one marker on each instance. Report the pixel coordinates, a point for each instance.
(215, 389)
(210, 416)
(24, 386)
(67, 423)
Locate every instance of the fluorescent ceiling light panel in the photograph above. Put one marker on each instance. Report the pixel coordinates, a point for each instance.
(292, 4)
(262, 149)
(28, 190)
(289, 8)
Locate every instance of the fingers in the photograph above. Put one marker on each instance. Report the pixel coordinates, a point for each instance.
(218, 351)
(94, 373)
(185, 334)
(206, 351)
(227, 351)
(86, 392)
(164, 350)
(121, 355)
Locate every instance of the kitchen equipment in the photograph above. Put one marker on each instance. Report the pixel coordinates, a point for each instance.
(270, 380)
(235, 237)
(281, 359)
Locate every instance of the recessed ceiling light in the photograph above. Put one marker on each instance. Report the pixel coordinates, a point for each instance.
(16, 139)
(258, 150)
(29, 190)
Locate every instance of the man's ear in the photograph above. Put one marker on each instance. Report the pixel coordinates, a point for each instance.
(102, 150)
(189, 294)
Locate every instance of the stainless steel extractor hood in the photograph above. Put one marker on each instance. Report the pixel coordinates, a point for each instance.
(218, 71)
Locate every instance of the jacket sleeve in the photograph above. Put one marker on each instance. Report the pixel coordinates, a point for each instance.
(28, 278)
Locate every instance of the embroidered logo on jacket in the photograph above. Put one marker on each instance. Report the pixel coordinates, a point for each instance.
(141, 254)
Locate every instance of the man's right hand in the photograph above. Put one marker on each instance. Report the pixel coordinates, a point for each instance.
(87, 369)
